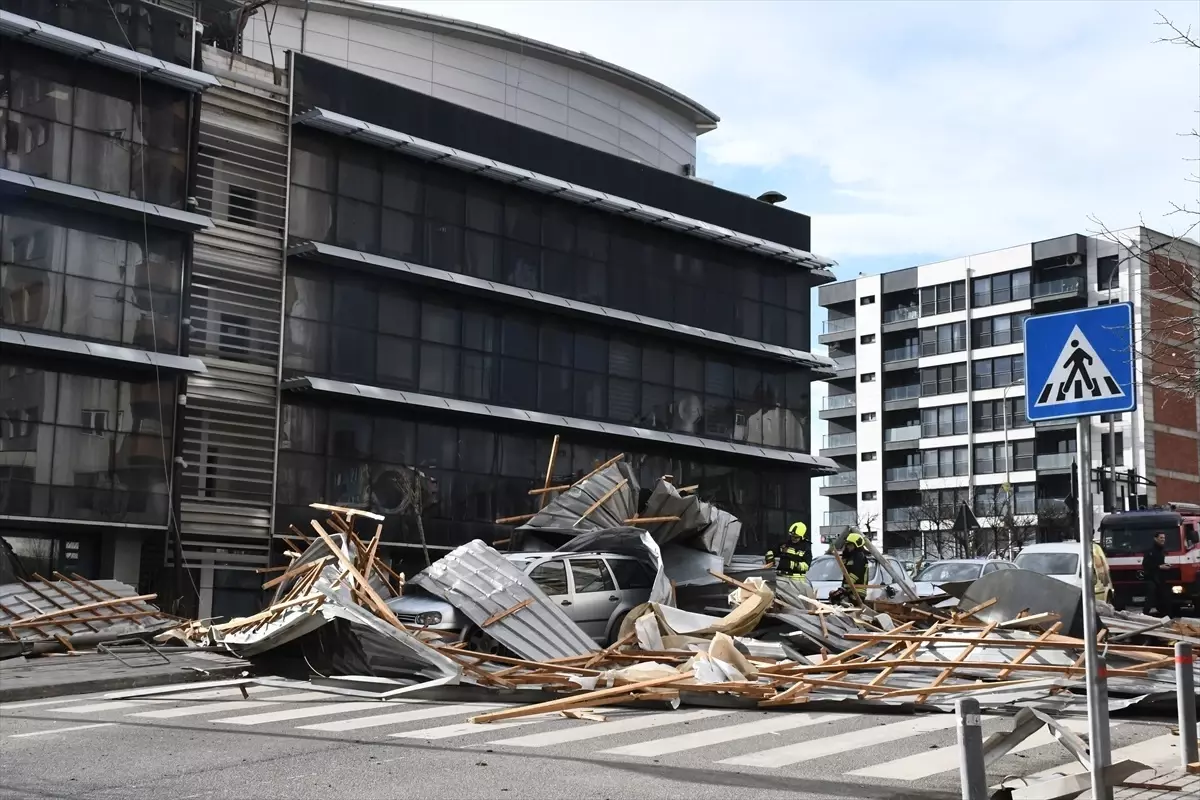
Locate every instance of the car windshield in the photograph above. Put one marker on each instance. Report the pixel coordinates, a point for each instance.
(1131, 541)
(824, 568)
(947, 571)
(1049, 563)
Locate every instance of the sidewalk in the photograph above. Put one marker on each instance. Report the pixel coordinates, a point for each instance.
(1183, 786)
(56, 676)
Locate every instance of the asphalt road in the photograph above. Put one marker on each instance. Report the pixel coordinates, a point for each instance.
(287, 743)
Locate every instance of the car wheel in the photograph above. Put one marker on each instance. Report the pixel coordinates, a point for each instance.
(480, 642)
(616, 629)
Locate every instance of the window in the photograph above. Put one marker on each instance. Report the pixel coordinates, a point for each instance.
(551, 577)
(996, 289)
(944, 298)
(869, 456)
(944, 421)
(945, 462)
(946, 379)
(867, 338)
(630, 573)
(1106, 449)
(992, 373)
(1108, 273)
(868, 416)
(1001, 330)
(870, 495)
(867, 301)
(942, 339)
(591, 575)
(868, 377)
(997, 415)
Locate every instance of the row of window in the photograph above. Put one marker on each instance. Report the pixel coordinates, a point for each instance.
(385, 203)
(141, 25)
(64, 120)
(993, 290)
(472, 476)
(952, 337)
(999, 330)
(418, 340)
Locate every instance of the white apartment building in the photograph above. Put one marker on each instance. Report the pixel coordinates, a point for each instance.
(928, 407)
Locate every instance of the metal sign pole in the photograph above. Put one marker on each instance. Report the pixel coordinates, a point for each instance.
(1097, 698)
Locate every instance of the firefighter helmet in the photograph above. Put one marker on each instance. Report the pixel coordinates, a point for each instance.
(799, 530)
(855, 539)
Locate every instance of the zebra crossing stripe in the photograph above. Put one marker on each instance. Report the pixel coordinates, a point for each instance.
(400, 717)
(461, 729)
(834, 745)
(777, 723)
(96, 708)
(596, 730)
(325, 710)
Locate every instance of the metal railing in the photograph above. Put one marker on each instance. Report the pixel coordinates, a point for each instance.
(1060, 286)
(838, 325)
(906, 434)
(902, 392)
(901, 314)
(840, 439)
(905, 515)
(844, 362)
(1050, 505)
(839, 401)
(841, 517)
(1055, 460)
(912, 473)
(842, 479)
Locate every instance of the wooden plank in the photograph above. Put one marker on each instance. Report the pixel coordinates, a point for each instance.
(514, 520)
(106, 618)
(546, 489)
(973, 611)
(575, 701)
(948, 671)
(380, 607)
(612, 648)
(295, 570)
(499, 615)
(1028, 651)
(54, 615)
(600, 468)
(486, 657)
(603, 499)
(650, 520)
(62, 609)
(549, 471)
(269, 612)
(348, 512)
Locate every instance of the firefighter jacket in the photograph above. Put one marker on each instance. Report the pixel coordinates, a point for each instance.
(858, 567)
(791, 558)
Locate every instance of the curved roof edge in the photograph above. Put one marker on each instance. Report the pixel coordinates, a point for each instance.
(704, 119)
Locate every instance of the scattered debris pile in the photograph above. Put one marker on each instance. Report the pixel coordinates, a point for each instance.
(41, 616)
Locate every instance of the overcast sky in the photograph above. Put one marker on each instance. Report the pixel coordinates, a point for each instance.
(913, 132)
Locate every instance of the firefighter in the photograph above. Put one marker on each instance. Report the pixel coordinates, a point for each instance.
(792, 556)
(1101, 577)
(854, 557)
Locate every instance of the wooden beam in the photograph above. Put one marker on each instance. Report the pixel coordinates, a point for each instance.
(650, 520)
(52, 601)
(612, 648)
(603, 499)
(54, 615)
(1028, 651)
(295, 570)
(579, 699)
(514, 520)
(499, 615)
(380, 607)
(546, 489)
(961, 657)
(349, 512)
(600, 468)
(549, 470)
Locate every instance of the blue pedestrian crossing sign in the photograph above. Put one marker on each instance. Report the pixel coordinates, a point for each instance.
(1079, 363)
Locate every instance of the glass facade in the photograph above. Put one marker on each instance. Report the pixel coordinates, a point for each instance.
(69, 273)
(140, 25)
(366, 199)
(411, 338)
(80, 446)
(470, 475)
(65, 120)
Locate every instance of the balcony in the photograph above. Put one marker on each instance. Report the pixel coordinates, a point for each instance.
(903, 438)
(900, 315)
(896, 398)
(900, 474)
(844, 365)
(898, 358)
(835, 440)
(840, 518)
(1060, 289)
(837, 329)
(838, 405)
(905, 517)
(1050, 507)
(1055, 461)
(841, 483)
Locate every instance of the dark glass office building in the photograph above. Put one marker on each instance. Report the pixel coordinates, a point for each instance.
(380, 286)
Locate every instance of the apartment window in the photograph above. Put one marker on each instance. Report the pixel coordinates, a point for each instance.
(870, 495)
(868, 377)
(1023, 457)
(942, 339)
(1106, 449)
(867, 338)
(1108, 273)
(993, 415)
(868, 416)
(941, 505)
(946, 379)
(944, 421)
(996, 331)
(869, 300)
(996, 289)
(944, 298)
(869, 456)
(991, 373)
(944, 462)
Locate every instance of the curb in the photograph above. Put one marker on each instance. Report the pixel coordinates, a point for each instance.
(119, 682)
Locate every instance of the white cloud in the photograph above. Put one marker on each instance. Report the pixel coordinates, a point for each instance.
(940, 128)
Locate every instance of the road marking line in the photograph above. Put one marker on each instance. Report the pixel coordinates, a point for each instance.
(311, 711)
(58, 701)
(96, 708)
(595, 730)
(61, 730)
(205, 708)
(944, 759)
(843, 743)
(461, 729)
(778, 723)
(399, 717)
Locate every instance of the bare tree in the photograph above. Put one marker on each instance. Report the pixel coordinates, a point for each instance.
(935, 517)
(1168, 266)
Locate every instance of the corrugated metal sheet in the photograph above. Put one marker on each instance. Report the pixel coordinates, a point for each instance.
(483, 584)
(616, 485)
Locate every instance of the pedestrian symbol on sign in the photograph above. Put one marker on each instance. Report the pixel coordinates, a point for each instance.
(1078, 374)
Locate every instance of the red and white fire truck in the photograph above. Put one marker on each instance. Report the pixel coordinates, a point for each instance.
(1127, 535)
